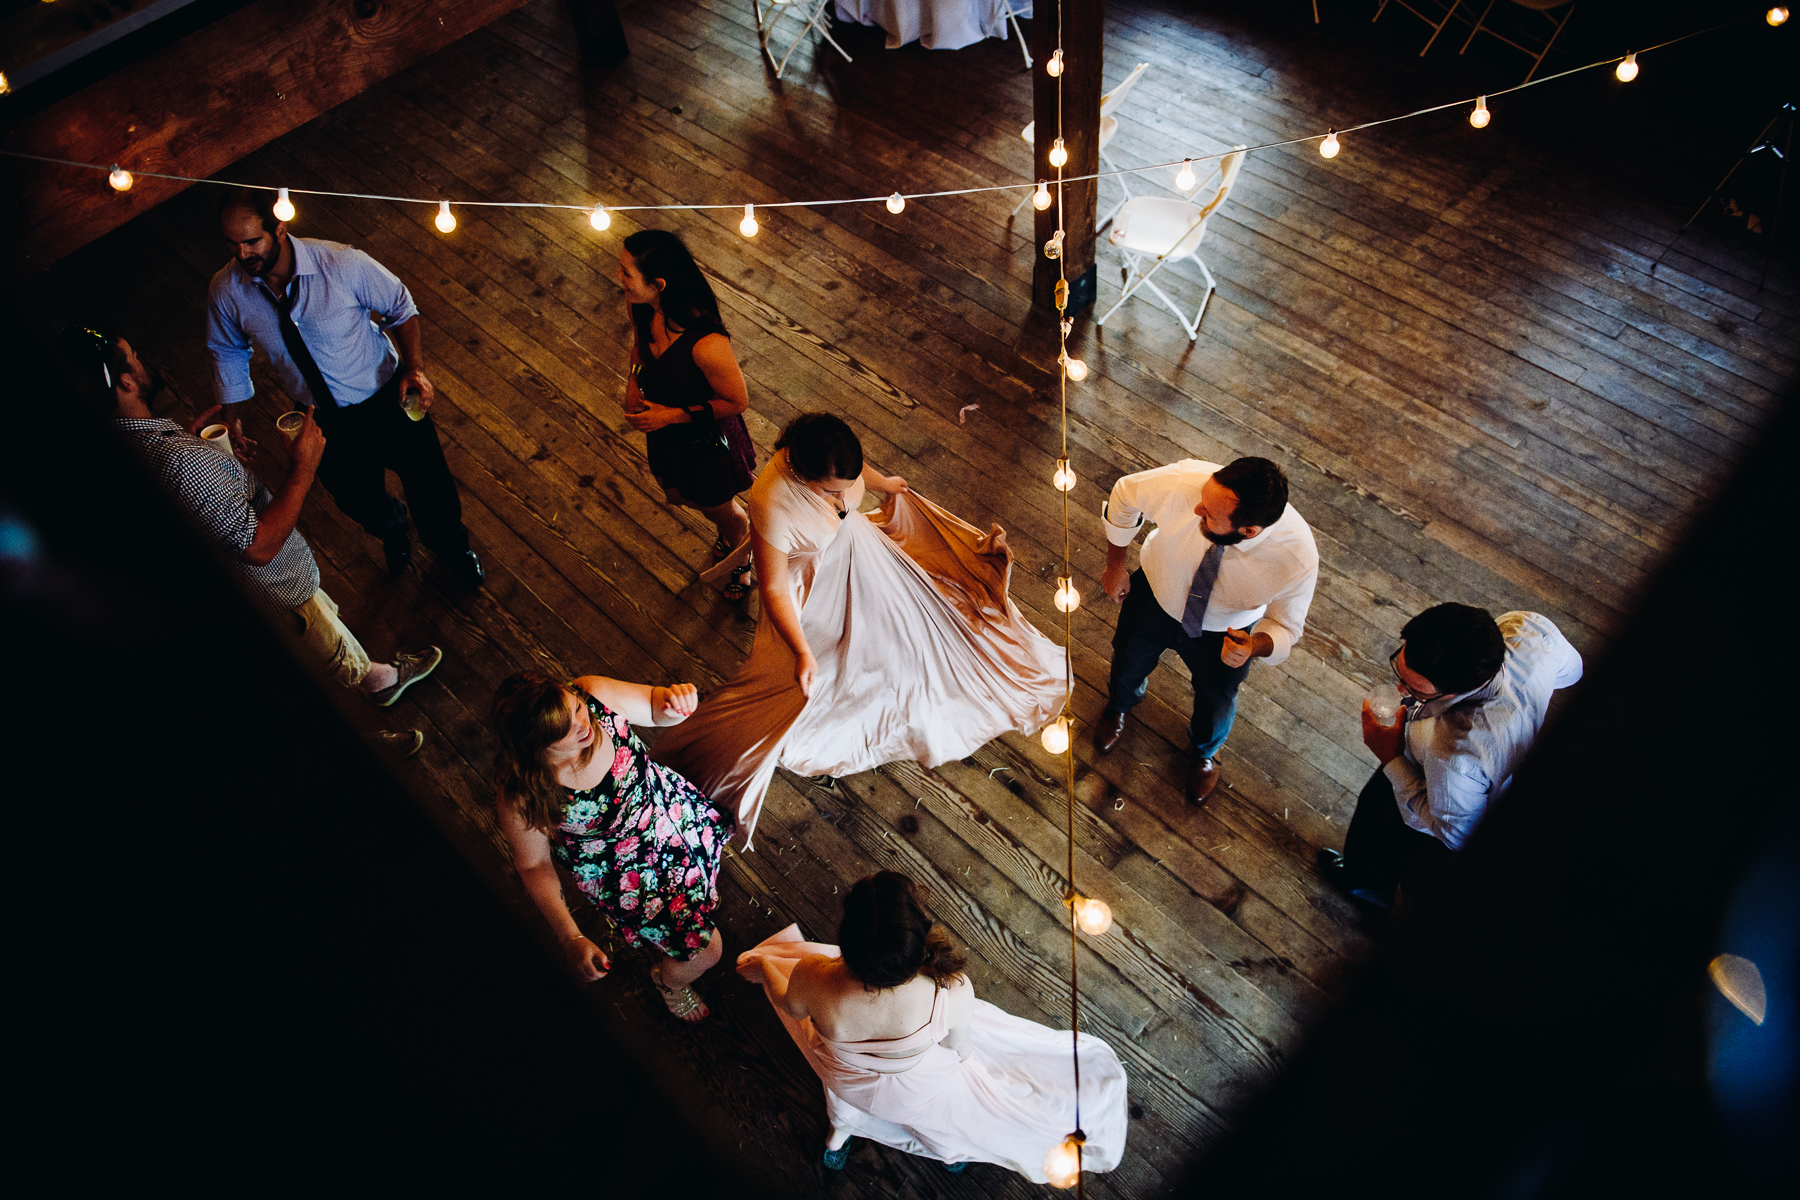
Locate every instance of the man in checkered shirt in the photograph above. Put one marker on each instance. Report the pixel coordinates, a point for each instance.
(254, 527)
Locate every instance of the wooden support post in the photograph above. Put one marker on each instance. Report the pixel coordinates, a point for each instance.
(1083, 56)
(599, 32)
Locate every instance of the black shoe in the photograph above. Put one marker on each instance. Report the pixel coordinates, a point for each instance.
(1338, 874)
(399, 553)
(1108, 729)
(467, 568)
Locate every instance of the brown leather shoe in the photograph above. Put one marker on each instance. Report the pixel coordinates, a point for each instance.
(1203, 777)
(1108, 729)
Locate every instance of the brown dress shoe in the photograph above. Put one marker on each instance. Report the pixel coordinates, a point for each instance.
(1203, 777)
(1108, 729)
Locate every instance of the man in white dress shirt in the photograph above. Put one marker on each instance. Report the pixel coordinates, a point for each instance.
(1476, 690)
(1228, 553)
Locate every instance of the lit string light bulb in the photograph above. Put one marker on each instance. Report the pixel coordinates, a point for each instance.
(1481, 116)
(1093, 917)
(446, 221)
(1059, 153)
(6, 86)
(1062, 1166)
(896, 202)
(120, 179)
(1064, 478)
(1184, 178)
(1627, 70)
(748, 226)
(283, 208)
(1056, 736)
(1053, 66)
(1775, 16)
(1074, 366)
(1329, 147)
(599, 218)
(1040, 199)
(1067, 598)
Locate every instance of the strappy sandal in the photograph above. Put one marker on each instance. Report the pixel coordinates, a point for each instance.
(741, 583)
(834, 1160)
(682, 1001)
(720, 550)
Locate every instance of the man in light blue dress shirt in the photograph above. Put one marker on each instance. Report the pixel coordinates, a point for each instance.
(342, 333)
(1476, 691)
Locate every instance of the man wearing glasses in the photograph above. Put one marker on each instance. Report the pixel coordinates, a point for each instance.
(1227, 575)
(1475, 692)
(254, 527)
(342, 332)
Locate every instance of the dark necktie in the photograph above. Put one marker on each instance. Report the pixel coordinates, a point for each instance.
(1201, 591)
(296, 347)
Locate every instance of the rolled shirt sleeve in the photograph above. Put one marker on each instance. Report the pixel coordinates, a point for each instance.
(381, 292)
(1441, 799)
(1120, 516)
(229, 346)
(1285, 620)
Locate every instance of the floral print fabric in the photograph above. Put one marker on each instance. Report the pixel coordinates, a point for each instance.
(644, 845)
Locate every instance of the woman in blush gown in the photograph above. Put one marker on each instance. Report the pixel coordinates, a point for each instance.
(911, 1059)
(884, 636)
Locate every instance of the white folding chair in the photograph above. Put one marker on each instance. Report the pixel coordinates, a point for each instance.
(1436, 22)
(1530, 46)
(1109, 125)
(1013, 14)
(1170, 230)
(818, 22)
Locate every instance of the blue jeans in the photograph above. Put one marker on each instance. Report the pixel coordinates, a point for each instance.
(1144, 632)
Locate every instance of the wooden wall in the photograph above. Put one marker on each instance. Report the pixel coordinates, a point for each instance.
(201, 104)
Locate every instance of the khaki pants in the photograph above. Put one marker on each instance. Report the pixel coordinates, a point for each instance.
(326, 644)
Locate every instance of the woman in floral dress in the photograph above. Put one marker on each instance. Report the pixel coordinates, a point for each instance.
(577, 788)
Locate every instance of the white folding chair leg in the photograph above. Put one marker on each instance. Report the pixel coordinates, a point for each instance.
(1023, 48)
(816, 21)
(1124, 186)
(1131, 285)
(1023, 199)
(1132, 262)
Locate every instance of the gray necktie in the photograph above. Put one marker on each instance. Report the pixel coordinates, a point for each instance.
(1201, 591)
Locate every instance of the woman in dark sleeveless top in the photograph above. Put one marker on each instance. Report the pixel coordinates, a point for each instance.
(686, 392)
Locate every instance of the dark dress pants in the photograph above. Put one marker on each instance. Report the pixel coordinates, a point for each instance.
(1382, 852)
(1144, 632)
(364, 440)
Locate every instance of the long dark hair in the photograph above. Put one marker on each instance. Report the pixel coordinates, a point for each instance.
(688, 302)
(887, 938)
(821, 446)
(530, 715)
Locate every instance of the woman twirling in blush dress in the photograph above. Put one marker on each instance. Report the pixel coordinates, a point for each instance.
(884, 636)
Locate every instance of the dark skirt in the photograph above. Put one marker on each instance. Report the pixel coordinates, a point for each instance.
(689, 460)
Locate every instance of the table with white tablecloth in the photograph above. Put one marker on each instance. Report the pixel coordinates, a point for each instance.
(934, 24)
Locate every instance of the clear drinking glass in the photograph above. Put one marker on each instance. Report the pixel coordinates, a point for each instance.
(1384, 702)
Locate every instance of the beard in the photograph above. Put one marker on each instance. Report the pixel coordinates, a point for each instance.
(1222, 539)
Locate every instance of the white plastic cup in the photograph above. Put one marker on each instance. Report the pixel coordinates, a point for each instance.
(1384, 702)
(290, 424)
(219, 438)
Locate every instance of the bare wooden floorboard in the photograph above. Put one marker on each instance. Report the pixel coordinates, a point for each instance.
(1479, 391)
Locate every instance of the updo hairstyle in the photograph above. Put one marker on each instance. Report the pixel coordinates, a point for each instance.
(886, 937)
(820, 446)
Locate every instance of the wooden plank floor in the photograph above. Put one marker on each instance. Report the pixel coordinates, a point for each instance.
(1480, 393)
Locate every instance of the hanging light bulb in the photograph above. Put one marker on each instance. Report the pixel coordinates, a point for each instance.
(1063, 1164)
(599, 218)
(1056, 736)
(1064, 479)
(1059, 153)
(896, 202)
(1775, 16)
(120, 179)
(1627, 70)
(1481, 116)
(1067, 598)
(1040, 199)
(1074, 366)
(1054, 65)
(1329, 147)
(1092, 917)
(1053, 247)
(748, 226)
(1184, 178)
(445, 222)
(6, 86)
(283, 208)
